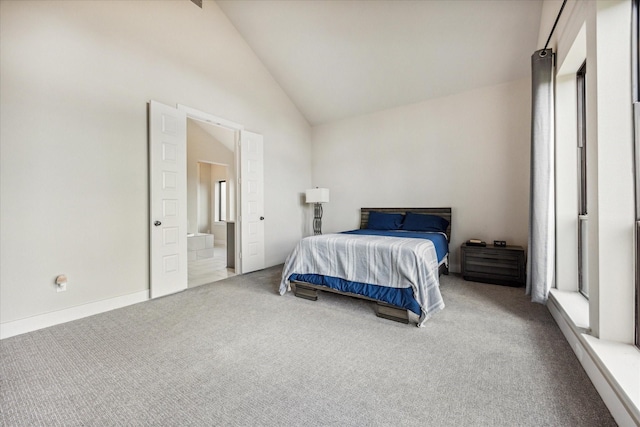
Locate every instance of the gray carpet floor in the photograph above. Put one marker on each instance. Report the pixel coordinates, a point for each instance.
(235, 353)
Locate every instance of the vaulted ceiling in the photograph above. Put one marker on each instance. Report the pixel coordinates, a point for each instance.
(337, 59)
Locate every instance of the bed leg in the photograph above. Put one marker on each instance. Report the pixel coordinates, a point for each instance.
(390, 312)
(305, 292)
(443, 269)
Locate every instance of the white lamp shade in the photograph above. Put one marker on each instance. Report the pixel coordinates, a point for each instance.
(318, 195)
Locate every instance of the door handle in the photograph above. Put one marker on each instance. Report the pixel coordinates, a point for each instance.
(157, 223)
(261, 218)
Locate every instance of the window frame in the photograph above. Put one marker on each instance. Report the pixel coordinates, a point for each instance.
(582, 137)
(581, 107)
(221, 202)
(635, 71)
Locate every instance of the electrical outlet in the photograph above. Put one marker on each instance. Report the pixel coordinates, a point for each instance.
(61, 283)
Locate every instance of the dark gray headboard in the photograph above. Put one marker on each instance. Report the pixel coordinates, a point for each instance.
(441, 212)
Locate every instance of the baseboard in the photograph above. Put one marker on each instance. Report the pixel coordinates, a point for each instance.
(17, 327)
(598, 374)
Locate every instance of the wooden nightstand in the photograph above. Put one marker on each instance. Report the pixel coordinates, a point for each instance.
(492, 264)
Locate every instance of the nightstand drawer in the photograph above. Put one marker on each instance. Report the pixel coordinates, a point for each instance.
(492, 266)
(491, 255)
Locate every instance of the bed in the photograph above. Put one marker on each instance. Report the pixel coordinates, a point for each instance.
(395, 258)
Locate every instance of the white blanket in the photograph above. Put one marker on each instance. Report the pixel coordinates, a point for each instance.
(380, 260)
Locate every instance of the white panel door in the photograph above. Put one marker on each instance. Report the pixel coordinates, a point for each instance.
(168, 204)
(251, 202)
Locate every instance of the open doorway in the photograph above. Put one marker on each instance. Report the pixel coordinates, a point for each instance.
(168, 214)
(210, 202)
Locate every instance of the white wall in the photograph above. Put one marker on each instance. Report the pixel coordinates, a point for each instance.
(469, 151)
(611, 174)
(569, 59)
(566, 274)
(75, 79)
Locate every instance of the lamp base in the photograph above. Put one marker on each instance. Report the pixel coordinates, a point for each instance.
(317, 218)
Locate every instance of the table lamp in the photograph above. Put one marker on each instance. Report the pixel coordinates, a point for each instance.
(317, 196)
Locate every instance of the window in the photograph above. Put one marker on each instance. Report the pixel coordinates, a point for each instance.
(221, 201)
(583, 282)
(635, 62)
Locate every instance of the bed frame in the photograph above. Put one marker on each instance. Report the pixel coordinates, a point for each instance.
(310, 291)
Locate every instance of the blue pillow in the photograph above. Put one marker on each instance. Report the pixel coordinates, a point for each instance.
(384, 221)
(421, 222)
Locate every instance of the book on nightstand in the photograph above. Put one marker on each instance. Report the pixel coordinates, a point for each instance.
(476, 242)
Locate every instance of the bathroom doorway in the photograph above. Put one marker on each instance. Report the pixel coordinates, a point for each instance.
(169, 225)
(210, 202)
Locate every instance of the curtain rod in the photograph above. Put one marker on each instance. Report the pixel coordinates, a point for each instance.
(544, 51)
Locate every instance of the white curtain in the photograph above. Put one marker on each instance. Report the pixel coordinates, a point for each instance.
(541, 247)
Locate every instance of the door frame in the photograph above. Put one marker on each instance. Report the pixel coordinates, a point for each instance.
(201, 116)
